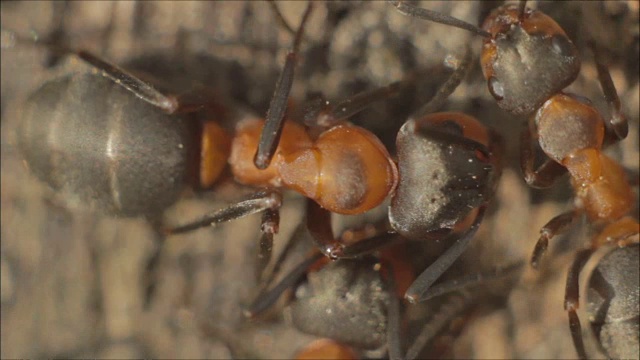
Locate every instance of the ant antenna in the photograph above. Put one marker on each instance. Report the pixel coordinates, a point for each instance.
(429, 15)
(618, 121)
(272, 130)
(461, 69)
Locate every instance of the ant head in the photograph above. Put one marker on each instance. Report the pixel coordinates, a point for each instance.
(445, 170)
(346, 300)
(527, 59)
(612, 302)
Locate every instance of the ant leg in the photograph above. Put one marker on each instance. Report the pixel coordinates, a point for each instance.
(272, 130)
(522, 5)
(424, 14)
(461, 68)
(618, 120)
(267, 299)
(260, 201)
(57, 35)
(474, 279)
(319, 226)
(572, 299)
(418, 290)
(453, 307)
(321, 113)
(393, 316)
(138, 87)
(270, 225)
(555, 226)
(546, 174)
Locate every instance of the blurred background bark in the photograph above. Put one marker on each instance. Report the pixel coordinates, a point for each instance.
(76, 283)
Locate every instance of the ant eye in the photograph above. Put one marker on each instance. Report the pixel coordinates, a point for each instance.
(562, 45)
(495, 88)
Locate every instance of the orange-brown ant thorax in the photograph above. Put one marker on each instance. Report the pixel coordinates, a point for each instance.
(245, 143)
(600, 183)
(566, 125)
(214, 152)
(346, 170)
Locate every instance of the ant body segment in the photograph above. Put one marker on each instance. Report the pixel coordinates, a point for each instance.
(449, 158)
(570, 131)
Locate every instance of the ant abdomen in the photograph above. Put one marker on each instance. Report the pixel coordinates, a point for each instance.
(612, 301)
(94, 149)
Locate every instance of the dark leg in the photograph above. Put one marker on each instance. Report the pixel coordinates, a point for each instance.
(572, 299)
(394, 340)
(319, 225)
(453, 307)
(555, 226)
(320, 113)
(474, 280)
(270, 226)
(418, 290)
(267, 299)
(138, 87)
(424, 14)
(461, 68)
(261, 201)
(522, 5)
(57, 35)
(618, 121)
(546, 174)
(275, 115)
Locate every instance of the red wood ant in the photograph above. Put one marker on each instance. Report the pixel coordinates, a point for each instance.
(450, 157)
(570, 131)
(356, 301)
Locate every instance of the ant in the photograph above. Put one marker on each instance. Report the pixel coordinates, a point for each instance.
(356, 301)
(135, 158)
(612, 301)
(570, 131)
